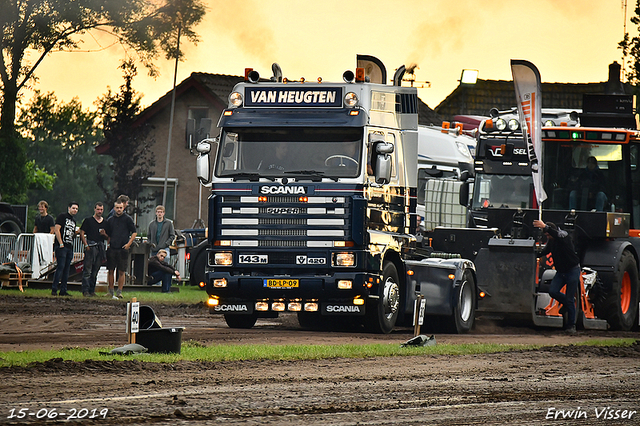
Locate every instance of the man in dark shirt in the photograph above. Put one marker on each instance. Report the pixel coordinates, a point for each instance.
(65, 230)
(121, 232)
(44, 221)
(160, 270)
(94, 252)
(567, 265)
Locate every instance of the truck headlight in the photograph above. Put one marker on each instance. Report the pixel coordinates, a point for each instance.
(344, 259)
(235, 99)
(223, 259)
(350, 99)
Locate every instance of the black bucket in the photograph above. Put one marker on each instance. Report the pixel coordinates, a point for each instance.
(161, 340)
(148, 318)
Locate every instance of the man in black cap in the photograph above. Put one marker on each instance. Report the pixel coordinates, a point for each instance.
(567, 265)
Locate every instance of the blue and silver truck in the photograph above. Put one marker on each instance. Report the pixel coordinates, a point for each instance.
(312, 207)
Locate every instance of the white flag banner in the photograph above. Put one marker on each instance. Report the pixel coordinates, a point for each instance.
(526, 80)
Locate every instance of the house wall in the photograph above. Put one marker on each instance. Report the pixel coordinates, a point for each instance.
(182, 163)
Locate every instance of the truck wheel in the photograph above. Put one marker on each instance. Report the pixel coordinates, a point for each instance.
(464, 309)
(382, 316)
(10, 224)
(620, 306)
(240, 321)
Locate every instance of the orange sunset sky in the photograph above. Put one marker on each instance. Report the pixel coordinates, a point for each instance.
(568, 40)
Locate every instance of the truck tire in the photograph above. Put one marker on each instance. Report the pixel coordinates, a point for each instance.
(621, 304)
(464, 307)
(198, 268)
(10, 224)
(240, 321)
(382, 315)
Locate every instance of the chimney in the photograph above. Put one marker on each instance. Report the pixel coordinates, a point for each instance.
(614, 85)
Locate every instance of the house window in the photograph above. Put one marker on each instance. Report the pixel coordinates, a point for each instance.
(152, 192)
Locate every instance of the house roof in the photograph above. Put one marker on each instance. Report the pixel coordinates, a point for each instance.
(479, 98)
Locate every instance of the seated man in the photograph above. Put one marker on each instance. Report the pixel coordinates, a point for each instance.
(160, 270)
(590, 187)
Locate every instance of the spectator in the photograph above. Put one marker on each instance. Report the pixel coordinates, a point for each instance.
(161, 232)
(123, 199)
(65, 231)
(160, 270)
(121, 232)
(567, 265)
(44, 222)
(94, 253)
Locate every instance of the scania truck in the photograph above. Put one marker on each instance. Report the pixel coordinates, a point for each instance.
(312, 207)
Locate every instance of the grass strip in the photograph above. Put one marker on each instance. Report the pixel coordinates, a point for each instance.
(195, 351)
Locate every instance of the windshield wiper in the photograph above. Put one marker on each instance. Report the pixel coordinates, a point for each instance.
(313, 173)
(251, 176)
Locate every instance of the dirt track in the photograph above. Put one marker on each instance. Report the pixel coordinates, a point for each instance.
(528, 387)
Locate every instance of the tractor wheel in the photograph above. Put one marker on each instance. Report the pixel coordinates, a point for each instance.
(621, 304)
(382, 315)
(464, 309)
(240, 321)
(10, 224)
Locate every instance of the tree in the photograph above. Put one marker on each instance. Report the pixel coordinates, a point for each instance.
(61, 139)
(128, 142)
(631, 49)
(44, 26)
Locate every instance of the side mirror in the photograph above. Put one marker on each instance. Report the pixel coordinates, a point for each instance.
(464, 175)
(383, 169)
(203, 163)
(384, 148)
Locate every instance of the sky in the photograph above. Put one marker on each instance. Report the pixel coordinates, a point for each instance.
(570, 41)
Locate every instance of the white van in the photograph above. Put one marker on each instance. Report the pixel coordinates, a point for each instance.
(443, 155)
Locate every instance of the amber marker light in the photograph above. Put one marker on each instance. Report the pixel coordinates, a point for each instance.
(452, 276)
(262, 199)
(213, 301)
(482, 294)
(202, 284)
(303, 199)
(410, 272)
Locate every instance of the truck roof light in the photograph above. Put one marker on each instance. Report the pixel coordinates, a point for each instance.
(303, 199)
(488, 124)
(319, 79)
(359, 75)
(262, 199)
(253, 76)
(246, 73)
(501, 124)
(514, 125)
(549, 123)
(348, 76)
(285, 80)
(302, 80)
(445, 127)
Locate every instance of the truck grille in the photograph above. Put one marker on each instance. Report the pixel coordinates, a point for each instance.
(282, 221)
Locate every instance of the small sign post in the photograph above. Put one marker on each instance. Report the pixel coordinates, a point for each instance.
(133, 320)
(419, 307)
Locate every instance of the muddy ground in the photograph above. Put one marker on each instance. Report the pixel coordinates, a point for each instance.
(558, 384)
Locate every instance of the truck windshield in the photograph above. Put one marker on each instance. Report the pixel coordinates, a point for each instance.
(290, 151)
(506, 191)
(585, 176)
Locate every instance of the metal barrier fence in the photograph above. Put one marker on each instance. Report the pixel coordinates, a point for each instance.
(23, 248)
(7, 247)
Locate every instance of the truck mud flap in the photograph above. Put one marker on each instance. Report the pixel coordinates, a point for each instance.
(506, 273)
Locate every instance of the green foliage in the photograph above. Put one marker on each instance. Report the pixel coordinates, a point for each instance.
(40, 27)
(127, 141)
(61, 139)
(630, 47)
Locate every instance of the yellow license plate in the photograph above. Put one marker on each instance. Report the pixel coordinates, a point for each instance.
(281, 283)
